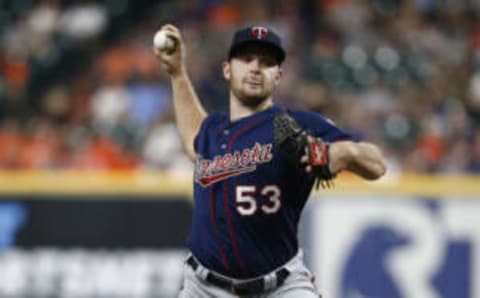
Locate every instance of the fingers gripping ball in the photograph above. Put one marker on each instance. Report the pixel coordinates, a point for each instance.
(163, 42)
(293, 141)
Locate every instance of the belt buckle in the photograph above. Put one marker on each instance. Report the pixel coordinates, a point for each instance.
(237, 288)
(233, 288)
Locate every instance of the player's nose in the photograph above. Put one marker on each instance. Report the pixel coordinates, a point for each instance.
(254, 64)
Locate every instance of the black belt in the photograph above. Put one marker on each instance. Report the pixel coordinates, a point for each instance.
(250, 287)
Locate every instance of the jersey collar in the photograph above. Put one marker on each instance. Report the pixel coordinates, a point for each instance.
(272, 110)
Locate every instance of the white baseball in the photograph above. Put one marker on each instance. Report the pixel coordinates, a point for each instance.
(163, 42)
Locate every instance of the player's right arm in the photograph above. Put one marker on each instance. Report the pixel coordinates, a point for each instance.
(189, 112)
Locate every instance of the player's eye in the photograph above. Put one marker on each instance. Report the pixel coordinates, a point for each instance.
(246, 58)
(267, 61)
(263, 60)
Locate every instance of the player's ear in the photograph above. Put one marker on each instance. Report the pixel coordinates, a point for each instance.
(226, 70)
(278, 75)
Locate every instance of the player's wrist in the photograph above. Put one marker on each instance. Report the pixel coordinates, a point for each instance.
(178, 73)
(341, 154)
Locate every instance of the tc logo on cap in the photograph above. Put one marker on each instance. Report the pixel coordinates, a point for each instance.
(259, 32)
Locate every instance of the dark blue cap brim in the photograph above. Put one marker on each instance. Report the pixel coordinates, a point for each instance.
(278, 52)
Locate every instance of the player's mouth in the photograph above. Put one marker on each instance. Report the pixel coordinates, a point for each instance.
(254, 83)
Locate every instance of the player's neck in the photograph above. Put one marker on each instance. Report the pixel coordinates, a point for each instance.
(239, 110)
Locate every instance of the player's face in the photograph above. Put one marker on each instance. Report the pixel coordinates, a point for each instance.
(253, 75)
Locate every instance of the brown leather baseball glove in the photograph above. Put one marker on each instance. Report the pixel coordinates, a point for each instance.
(294, 141)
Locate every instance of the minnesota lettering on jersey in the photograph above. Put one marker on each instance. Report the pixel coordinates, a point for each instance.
(210, 171)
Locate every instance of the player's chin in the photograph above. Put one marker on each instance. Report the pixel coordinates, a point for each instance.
(253, 100)
(257, 91)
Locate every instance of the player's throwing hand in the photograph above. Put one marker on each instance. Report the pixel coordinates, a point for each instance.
(173, 60)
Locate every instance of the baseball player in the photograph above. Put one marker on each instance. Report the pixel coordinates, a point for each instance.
(254, 170)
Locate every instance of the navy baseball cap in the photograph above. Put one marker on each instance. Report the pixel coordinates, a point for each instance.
(257, 35)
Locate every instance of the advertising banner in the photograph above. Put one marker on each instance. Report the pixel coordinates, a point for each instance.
(376, 246)
(94, 222)
(81, 273)
(92, 246)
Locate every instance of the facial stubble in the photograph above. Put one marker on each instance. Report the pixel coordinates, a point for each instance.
(246, 99)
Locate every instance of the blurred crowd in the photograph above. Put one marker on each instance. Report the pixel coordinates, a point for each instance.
(81, 89)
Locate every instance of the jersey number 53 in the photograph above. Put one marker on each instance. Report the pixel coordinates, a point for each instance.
(247, 204)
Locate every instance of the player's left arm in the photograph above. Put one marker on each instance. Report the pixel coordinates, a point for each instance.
(342, 151)
(362, 158)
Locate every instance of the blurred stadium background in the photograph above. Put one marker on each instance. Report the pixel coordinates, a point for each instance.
(96, 193)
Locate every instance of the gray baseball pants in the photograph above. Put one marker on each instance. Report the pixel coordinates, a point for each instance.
(298, 284)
